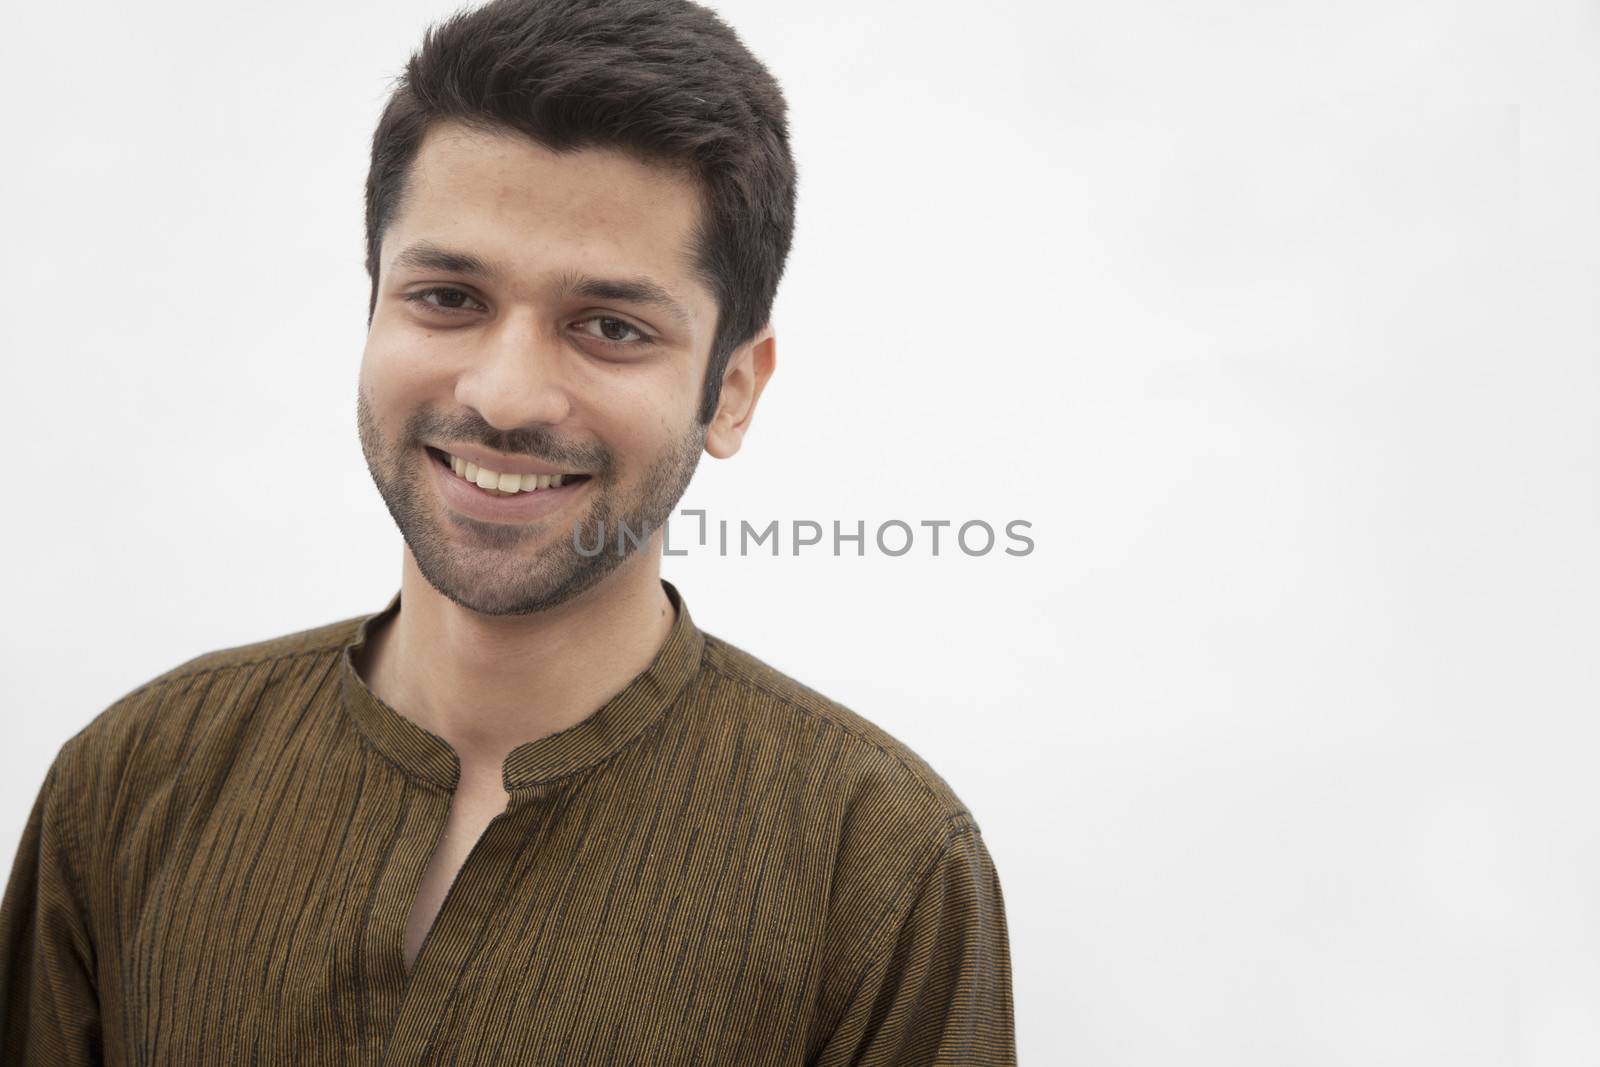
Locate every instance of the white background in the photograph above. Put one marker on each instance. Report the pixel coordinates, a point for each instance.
(1277, 322)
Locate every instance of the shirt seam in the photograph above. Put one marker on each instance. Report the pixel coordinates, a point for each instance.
(71, 846)
(881, 939)
(794, 705)
(334, 647)
(196, 672)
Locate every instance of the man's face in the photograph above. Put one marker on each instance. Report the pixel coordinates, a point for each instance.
(582, 350)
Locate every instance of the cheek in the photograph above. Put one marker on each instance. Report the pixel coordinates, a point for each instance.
(399, 365)
(649, 401)
(638, 418)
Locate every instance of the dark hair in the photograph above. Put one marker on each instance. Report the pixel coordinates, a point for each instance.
(666, 80)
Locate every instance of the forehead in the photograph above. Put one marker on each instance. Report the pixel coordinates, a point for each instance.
(514, 202)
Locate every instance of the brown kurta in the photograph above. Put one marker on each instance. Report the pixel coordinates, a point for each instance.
(719, 866)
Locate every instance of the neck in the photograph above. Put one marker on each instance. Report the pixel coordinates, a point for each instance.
(486, 684)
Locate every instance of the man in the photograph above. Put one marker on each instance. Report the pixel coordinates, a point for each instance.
(528, 813)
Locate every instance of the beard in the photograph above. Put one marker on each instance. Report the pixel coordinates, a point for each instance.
(518, 569)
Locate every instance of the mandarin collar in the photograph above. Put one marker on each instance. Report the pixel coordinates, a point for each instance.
(428, 758)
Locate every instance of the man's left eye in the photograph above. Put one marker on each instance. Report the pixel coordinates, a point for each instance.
(614, 331)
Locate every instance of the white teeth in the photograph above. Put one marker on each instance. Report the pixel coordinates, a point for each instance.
(505, 483)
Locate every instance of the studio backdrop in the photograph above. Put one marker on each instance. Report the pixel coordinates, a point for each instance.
(1182, 436)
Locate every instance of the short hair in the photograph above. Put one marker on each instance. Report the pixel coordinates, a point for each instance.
(664, 80)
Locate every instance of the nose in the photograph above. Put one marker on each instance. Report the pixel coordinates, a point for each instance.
(518, 375)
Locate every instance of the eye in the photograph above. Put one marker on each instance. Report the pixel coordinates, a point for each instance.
(614, 331)
(445, 293)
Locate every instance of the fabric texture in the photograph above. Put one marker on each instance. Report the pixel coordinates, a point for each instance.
(718, 866)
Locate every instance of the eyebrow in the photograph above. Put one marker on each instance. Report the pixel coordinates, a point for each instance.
(631, 290)
(425, 256)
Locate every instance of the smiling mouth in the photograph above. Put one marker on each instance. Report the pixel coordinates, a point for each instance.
(496, 484)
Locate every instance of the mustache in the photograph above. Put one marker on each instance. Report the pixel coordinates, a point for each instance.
(535, 443)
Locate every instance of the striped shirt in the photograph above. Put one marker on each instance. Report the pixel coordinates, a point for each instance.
(719, 866)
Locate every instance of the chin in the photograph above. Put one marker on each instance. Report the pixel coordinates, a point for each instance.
(486, 585)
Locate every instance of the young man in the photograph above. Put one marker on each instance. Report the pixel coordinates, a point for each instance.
(528, 813)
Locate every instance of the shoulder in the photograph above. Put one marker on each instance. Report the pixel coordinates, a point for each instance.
(148, 732)
(198, 675)
(882, 821)
(318, 640)
(873, 770)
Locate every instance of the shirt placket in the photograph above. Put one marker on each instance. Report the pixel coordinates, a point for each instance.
(428, 996)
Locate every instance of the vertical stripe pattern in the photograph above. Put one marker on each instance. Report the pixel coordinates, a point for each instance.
(718, 866)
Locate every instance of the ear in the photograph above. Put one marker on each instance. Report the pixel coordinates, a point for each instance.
(748, 369)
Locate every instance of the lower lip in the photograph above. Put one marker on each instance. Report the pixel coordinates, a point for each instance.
(467, 498)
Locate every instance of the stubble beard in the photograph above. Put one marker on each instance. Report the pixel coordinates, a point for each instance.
(482, 566)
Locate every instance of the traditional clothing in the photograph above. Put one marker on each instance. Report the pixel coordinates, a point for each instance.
(719, 866)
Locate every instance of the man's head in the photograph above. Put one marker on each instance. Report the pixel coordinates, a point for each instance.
(577, 216)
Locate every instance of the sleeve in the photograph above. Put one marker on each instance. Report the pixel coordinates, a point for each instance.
(937, 989)
(49, 1007)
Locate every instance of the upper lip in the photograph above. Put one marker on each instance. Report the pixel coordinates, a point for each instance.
(501, 464)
